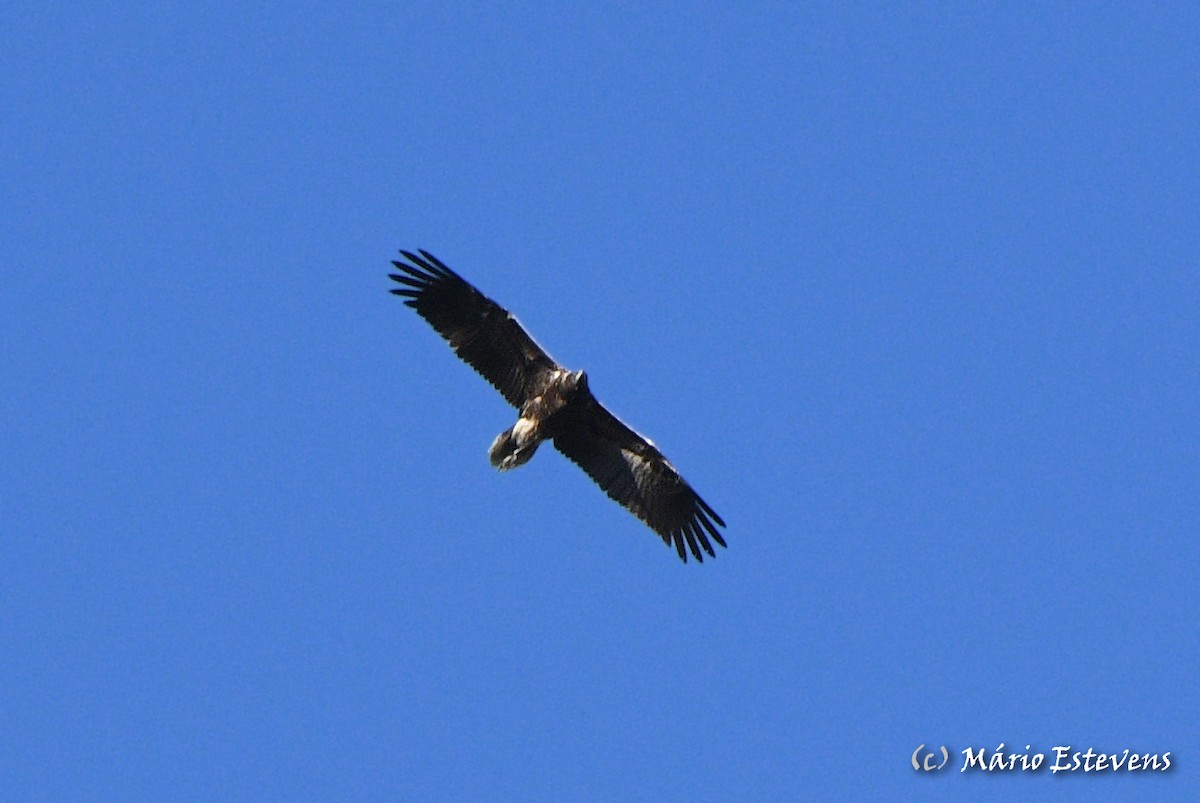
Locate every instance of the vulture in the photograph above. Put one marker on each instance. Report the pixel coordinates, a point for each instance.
(555, 404)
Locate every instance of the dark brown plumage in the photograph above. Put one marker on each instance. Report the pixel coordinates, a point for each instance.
(556, 404)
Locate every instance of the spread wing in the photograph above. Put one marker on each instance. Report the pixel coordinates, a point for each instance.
(633, 472)
(480, 331)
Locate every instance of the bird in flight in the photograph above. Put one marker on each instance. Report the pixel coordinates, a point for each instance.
(555, 404)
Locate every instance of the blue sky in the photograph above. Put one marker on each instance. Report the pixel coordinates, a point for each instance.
(908, 292)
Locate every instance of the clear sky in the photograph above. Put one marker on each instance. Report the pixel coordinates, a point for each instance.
(910, 293)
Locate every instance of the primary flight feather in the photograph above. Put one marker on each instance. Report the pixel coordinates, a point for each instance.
(555, 404)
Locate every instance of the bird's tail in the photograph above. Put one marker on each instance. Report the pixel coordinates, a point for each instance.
(512, 448)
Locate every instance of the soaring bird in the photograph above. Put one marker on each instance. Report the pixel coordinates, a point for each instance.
(556, 404)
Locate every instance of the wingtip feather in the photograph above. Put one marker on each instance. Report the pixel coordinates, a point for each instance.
(678, 539)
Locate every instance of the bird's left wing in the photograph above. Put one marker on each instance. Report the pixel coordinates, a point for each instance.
(631, 470)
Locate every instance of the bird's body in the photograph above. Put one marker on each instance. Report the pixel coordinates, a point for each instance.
(556, 404)
(542, 417)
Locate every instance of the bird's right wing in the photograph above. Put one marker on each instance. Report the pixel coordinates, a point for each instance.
(480, 331)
